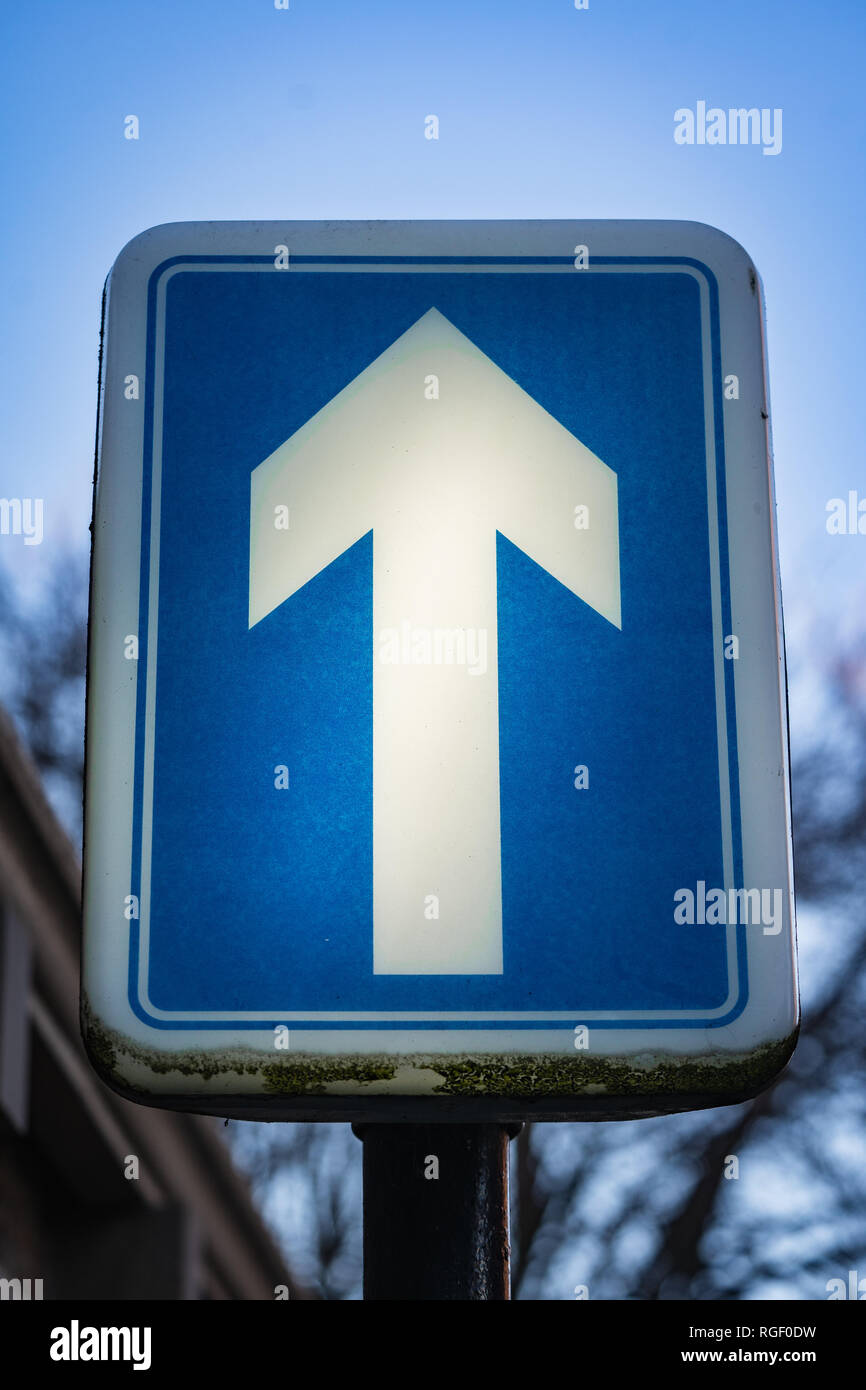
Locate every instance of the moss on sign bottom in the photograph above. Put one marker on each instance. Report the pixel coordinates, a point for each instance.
(659, 1074)
(130, 1065)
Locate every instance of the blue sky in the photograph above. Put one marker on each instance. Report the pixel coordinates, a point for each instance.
(545, 111)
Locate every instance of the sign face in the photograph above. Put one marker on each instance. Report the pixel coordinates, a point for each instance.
(436, 755)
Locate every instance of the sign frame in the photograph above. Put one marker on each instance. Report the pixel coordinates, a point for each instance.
(630, 1068)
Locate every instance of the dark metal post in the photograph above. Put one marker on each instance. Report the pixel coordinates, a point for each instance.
(436, 1211)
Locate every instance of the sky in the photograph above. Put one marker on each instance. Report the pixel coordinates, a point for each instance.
(318, 111)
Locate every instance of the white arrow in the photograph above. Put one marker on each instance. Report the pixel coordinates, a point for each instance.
(434, 479)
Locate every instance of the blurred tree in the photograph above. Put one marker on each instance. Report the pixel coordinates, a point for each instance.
(307, 1180)
(44, 649)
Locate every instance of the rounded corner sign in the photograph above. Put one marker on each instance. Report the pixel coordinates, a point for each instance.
(436, 744)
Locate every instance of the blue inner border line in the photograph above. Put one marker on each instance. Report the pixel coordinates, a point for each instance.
(208, 1025)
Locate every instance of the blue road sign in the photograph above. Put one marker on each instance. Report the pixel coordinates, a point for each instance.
(436, 741)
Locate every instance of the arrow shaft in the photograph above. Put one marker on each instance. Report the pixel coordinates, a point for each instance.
(437, 902)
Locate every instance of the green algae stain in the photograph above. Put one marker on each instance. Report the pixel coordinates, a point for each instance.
(557, 1075)
(312, 1075)
(100, 1047)
(293, 1076)
(508, 1075)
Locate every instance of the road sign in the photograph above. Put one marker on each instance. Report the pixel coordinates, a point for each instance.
(436, 734)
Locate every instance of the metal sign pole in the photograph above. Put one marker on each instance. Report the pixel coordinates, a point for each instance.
(436, 1211)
